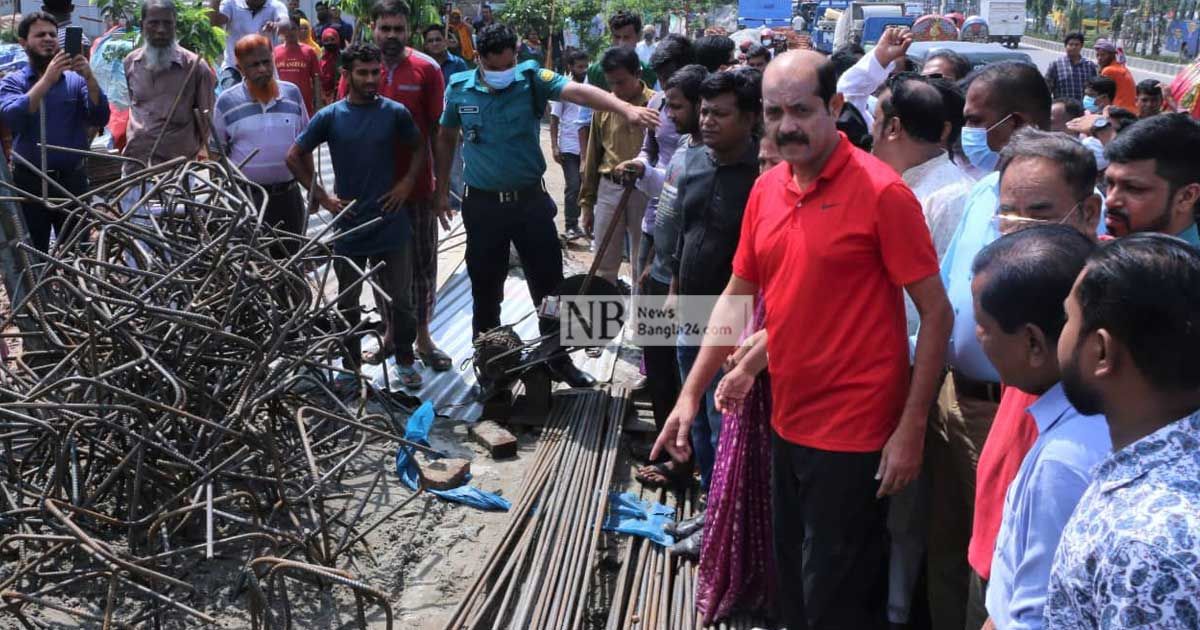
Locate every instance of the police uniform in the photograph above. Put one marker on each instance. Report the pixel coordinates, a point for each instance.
(504, 199)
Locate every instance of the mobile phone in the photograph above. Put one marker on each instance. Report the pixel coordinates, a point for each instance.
(74, 41)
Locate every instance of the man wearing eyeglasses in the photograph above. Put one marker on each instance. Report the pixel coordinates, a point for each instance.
(1047, 178)
(1003, 98)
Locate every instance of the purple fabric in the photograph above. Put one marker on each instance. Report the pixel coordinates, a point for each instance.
(736, 563)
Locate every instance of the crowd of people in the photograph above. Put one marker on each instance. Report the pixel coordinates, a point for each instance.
(977, 290)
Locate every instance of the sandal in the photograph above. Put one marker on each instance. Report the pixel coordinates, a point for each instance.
(689, 547)
(670, 475)
(438, 360)
(686, 527)
(408, 376)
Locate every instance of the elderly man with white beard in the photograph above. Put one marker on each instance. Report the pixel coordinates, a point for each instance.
(162, 127)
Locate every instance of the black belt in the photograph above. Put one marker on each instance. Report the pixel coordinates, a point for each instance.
(971, 388)
(505, 196)
(280, 188)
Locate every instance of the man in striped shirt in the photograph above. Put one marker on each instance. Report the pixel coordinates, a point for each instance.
(263, 116)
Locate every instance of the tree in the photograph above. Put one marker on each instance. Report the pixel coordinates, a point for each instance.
(193, 30)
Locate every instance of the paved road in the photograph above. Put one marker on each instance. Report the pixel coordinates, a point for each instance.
(1043, 59)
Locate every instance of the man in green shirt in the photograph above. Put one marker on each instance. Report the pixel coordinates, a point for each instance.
(496, 111)
(626, 29)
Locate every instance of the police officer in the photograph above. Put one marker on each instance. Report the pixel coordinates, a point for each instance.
(497, 109)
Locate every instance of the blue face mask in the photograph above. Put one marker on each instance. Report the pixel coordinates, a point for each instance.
(975, 146)
(499, 79)
(1089, 103)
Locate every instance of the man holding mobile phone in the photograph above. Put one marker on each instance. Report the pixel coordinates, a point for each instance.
(57, 93)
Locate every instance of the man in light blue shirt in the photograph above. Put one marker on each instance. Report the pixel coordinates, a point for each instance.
(1001, 99)
(1020, 283)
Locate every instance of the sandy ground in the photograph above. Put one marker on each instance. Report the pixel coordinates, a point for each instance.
(425, 557)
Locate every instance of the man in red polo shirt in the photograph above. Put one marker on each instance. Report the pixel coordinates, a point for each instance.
(414, 80)
(831, 237)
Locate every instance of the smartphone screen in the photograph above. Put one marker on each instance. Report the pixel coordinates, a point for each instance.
(74, 40)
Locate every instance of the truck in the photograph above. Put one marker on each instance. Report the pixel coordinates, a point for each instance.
(1005, 20)
(864, 22)
(820, 20)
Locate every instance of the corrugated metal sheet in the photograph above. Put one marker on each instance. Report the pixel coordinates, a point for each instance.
(451, 327)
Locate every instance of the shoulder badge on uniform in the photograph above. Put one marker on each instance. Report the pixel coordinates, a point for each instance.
(546, 76)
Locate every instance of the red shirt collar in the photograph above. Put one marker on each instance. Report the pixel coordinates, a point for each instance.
(833, 165)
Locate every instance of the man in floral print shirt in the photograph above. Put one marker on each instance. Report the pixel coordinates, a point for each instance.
(1130, 555)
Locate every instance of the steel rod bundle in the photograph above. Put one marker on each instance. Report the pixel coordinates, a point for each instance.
(177, 401)
(656, 590)
(540, 574)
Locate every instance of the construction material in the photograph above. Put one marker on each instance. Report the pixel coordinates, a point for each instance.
(177, 399)
(496, 439)
(444, 474)
(541, 572)
(656, 590)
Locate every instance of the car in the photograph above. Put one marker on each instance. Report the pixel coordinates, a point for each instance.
(979, 54)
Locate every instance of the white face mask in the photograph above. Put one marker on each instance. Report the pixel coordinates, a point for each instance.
(499, 79)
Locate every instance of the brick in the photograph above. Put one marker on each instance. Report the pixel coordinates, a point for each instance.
(444, 474)
(496, 439)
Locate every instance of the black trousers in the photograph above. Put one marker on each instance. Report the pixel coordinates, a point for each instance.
(977, 612)
(571, 177)
(396, 279)
(830, 538)
(38, 218)
(528, 224)
(285, 210)
(662, 368)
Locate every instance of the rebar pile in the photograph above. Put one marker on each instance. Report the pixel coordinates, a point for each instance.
(540, 574)
(656, 590)
(175, 402)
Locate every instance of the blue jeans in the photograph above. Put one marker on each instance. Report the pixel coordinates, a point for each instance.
(706, 427)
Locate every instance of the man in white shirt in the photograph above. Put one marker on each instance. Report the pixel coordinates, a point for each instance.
(240, 18)
(645, 48)
(565, 143)
(911, 121)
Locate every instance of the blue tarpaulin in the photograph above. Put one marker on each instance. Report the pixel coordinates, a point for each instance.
(629, 515)
(406, 466)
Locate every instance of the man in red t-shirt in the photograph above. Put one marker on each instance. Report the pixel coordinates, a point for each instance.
(298, 64)
(414, 79)
(831, 237)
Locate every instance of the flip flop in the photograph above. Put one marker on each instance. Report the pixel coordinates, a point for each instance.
(673, 477)
(686, 527)
(408, 376)
(438, 360)
(689, 547)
